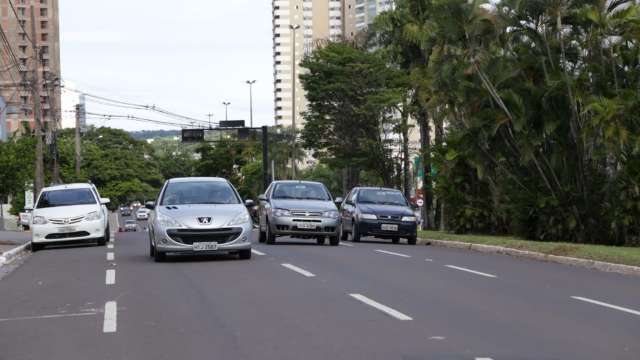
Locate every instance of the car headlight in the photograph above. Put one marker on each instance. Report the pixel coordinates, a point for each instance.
(331, 214)
(281, 212)
(39, 220)
(409, 218)
(168, 222)
(92, 216)
(239, 219)
(368, 217)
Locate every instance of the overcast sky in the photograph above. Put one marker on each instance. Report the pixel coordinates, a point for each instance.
(187, 57)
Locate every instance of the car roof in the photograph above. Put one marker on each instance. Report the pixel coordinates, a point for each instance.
(296, 182)
(376, 188)
(68, 186)
(190, 179)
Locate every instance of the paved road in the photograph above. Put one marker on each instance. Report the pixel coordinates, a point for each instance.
(370, 300)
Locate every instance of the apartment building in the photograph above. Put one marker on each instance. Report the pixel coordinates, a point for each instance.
(298, 27)
(17, 61)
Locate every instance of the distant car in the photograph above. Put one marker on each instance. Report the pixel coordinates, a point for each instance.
(136, 204)
(379, 212)
(200, 215)
(73, 212)
(125, 211)
(302, 209)
(142, 214)
(130, 225)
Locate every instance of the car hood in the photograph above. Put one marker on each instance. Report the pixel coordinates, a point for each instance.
(63, 212)
(386, 210)
(304, 205)
(188, 215)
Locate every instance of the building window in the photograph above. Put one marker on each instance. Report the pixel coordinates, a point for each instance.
(43, 11)
(44, 50)
(24, 100)
(45, 62)
(44, 24)
(23, 49)
(23, 61)
(44, 37)
(43, 2)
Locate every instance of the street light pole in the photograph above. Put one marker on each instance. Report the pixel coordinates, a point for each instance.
(226, 109)
(210, 116)
(251, 82)
(293, 95)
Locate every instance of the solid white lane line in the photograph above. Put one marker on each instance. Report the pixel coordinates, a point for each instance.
(109, 246)
(110, 256)
(610, 306)
(393, 253)
(298, 270)
(55, 316)
(385, 309)
(110, 277)
(484, 359)
(345, 244)
(260, 253)
(110, 317)
(470, 271)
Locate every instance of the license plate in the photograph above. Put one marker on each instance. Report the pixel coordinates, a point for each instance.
(307, 226)
(389, 227)
(67, 229)
(205, 246)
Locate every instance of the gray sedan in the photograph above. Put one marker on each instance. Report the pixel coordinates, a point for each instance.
(301, 209)
(199, 216)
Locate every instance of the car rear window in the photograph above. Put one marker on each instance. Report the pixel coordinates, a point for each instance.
(381, 197)
(301, 191)
(199, 192)
(66, 197)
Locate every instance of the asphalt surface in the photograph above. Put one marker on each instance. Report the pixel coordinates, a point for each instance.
(369, 300)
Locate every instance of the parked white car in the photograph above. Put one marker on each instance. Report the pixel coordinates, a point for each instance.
(142, 214)
(73, 212)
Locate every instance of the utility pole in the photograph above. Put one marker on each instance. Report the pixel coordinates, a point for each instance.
(78, 148)
(293, 97)
(226, 109)
(210, 116)
(35, 93)
(251, 82)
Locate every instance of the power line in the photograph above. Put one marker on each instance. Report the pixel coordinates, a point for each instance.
(136, 118)
(24, 31)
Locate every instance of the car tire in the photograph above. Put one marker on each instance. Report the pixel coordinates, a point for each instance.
(320, 240)
(395, 240)
(152, 250)
(412, 240)
(159, 256)
(343, 235)
(262, 237)
(355, 233)
(334, 241)
(103, 240)
(35, 247)
(270, 237)
(244, 254)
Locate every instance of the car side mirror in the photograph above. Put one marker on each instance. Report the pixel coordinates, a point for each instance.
(104, 201)
(249, 203)
(338, 201)
(263, 197)
(150, 205)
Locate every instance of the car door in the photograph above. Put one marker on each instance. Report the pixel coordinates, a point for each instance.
(348, 210)
(263, 207)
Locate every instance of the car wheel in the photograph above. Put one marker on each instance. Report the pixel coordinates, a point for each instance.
(412, 240)
(244, 254)
(320, 240)
(159, 256)
(103, 240)
(355, 233)
(152, 250)
(395, 240)
(270, 237)
(334, 241)
(35, 247)
(262, 236)
(343, 235)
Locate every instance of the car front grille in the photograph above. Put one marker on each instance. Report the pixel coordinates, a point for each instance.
(65, 221)
(303, 213)
(390, 217)
(190, 236)
(60, 236)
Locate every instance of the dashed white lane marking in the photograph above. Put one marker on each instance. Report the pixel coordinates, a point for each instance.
(109, 246)
(484, 359)
(54, 316)
(610, 306)
(470, 271)
(298, 270)
(385, 309)
(110, 277)
(345, 244)
(428, 260)
(110, 256)
(259, 253)
(110, 317)
(393, 253)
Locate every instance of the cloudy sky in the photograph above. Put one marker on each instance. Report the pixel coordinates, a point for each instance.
(187, 57)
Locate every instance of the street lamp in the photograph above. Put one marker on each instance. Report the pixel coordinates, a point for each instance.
(210, 116)
(293, 94)
(250, 83)
(226, 109)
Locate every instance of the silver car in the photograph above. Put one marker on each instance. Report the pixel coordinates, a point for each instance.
(301, 209)
(199, 216)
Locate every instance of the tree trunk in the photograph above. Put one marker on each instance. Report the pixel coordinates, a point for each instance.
(425, 153)
(405, 153)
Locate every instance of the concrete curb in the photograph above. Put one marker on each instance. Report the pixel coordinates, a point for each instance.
(10, 255)
(590, 264)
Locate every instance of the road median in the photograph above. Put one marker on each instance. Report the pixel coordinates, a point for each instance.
(623, 260)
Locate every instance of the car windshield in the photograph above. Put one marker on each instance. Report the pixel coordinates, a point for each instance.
(199, 192)
(66, 197)
(130, 222)
(382, 197)
(301, 191)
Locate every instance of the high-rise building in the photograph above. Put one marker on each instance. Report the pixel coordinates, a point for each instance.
(299, 26)
(17, 61)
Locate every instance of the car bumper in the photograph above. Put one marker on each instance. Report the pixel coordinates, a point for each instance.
(291, 226)
(374, 228)
(50, 233)
(164, 243)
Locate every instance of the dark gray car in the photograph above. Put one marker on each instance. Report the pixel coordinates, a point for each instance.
(301, 209)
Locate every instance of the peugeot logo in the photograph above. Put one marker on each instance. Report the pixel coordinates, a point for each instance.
(204, 220)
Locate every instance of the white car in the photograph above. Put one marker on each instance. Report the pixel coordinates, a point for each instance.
(142, 214)
(73, 212)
